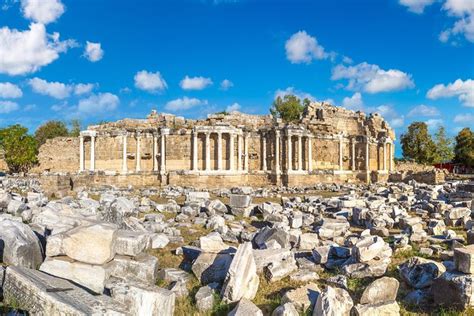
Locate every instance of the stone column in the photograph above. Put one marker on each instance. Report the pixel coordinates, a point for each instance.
(367, 155)
(384, 164)
(92, 166)
(155, 152)
(300, 153)
(277, 151)
(264, 153)
(353, 154)
(390, 162)
(246, 152)
(231, 151)
(239, 152)
(219, 150)
(310, 154)
(81, 153)
(340, 152)
(195, 151)
(164, 132)
(289, 151)
(138, 154)
(124, 153)
(208, 151)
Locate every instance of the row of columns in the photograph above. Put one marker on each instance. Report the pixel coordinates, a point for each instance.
(207, 151)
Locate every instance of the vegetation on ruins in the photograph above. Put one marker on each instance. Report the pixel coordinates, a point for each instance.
(444, 146)
(75, 129)
(20, 149)
(464, 149)
(50, 129)
(289, 108)
(417, 143)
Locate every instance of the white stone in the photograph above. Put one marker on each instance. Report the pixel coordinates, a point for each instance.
(333, 301)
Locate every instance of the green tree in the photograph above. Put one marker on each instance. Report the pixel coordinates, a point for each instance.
(20, 149)
(50, 129)
(417, 143)
(464, 148)
(444, 146)
(75, 129)
(288, 108)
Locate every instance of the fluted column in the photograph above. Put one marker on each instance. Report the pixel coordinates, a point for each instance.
(310, 154)
(138, 154)
(195, 151)
(264, 153)
(239, 152)
(390, 162)
(246, 152)
(164, 132)
(124, 153)
(92, 166)
(289, 152)
(384, 164)
(208, 151)
(300, 153)
(81, 153)
(277, 151)
(340, 153)
(353, 154)
(367, 155)
(231, 151)
(155, 152)
(219, 150)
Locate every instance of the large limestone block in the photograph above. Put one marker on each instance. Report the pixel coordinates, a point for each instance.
(90, 276)
(143, 300)
(464, 259)
(333, 301)
(94, 244)
(143, 268)
(419, 272)
(130, 243)
(5, 199)
(42, 294)
(264, 257)
(211, 267)
(286, 309)
(245, 308)
(19, 245)
(303, 297)
(212, 243)
(309, 241)
(368, 248)
(382, 290)
(241, 280)
(120, 209)
(454, 289)
(385, 309)
(240, 200)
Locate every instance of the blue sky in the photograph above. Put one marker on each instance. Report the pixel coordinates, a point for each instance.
(104, 60)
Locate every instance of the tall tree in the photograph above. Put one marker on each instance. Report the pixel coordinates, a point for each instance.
(20, 149)
(288, 108)
(417, 143)
(444, 146)
(75, 129)
(50, 129)
(464, 148)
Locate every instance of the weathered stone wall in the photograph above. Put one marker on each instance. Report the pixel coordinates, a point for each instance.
(60, 154)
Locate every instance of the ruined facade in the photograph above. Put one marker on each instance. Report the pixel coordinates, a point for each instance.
(328, 144)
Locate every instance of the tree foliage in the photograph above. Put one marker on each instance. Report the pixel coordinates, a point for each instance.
(464, 148)
(20, 149)
(417, 143)
(50, 129)
(288, 108)
(75, 128)
(444, 146)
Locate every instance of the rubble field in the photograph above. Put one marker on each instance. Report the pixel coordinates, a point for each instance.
(380, 249)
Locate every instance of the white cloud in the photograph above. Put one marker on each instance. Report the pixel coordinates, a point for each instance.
(98, 103)
(347, 60)
(42, 11)
(371, 78)
(416, 6)
(233, 107)
(424, 110)
(184, 103)
(389, 113)
(463, 11)
(464, 119)
(8, 106)
(83, 88)
(397, 122)
(226, 84)
(93, 52)
(195, 83)
(10, 91)
(434, 123)
(23, 52)
(150, 81)
(56, 90)
(29, 107)
(464, 90)
(291, 90)
(303, 48)
(353, 103)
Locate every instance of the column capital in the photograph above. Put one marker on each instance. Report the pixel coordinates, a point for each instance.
(165, 131)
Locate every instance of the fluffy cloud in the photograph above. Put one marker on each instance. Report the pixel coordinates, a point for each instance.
(226, 84)
(464, 90)
(42, 11)
(23, 52)
(389, 113)
(83, 88)
(416, 6)
(184, 103)
(353, 103)
(233, 107)
(195, 83)
(291, 90)
(464, 119)
(423, 110)
(150, 81)
(59, 90)
(371, 78)
(10, 91)
(434, 123)
(98, 103)
(303, 48)
(8, 106)
(93, 51)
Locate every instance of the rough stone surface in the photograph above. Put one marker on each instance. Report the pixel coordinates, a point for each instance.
(382, 290)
